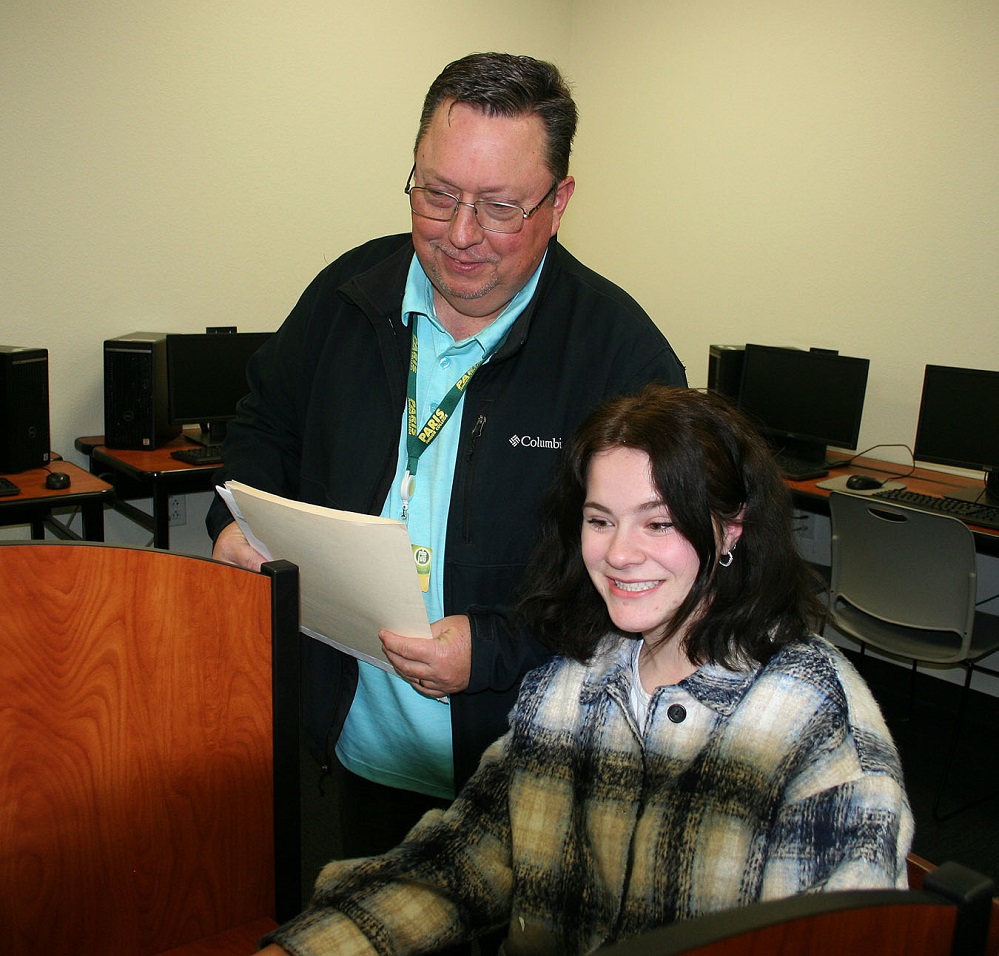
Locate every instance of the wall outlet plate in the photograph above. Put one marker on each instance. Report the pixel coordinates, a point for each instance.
(177, 510)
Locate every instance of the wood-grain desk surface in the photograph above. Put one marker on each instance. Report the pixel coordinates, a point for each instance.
(143, 464)
(927, 481)
(34, 503)
(32, 485)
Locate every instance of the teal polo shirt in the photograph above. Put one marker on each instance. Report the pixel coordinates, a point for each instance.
(394, 735)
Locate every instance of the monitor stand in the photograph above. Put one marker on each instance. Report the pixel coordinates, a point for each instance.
(800, 449)
(989, 495)
(799, 459)
(212, 433)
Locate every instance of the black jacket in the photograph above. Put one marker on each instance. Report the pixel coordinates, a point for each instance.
(321, 424)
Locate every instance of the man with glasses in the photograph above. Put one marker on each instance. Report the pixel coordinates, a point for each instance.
(434, 377)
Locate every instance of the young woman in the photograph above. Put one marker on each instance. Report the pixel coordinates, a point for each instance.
(693, 746)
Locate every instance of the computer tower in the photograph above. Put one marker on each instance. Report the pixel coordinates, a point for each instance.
(725, 370)
(24, 408)
(135, 392)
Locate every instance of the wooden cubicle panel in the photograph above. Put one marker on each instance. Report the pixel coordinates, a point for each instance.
(135, 749)
(918, 867)
(949, 915)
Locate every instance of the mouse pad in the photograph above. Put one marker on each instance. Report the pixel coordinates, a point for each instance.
(839, 484)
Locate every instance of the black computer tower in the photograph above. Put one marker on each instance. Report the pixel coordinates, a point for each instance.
(725, 370)
(135, 392)
(24, 408)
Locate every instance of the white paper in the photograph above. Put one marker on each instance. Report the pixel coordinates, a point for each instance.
(357, 572)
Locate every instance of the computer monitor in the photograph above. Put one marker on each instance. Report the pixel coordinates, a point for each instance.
(206, 378)
(803, 401)
(959, 426)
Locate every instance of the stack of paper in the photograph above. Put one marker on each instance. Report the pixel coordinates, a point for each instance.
(357, 572)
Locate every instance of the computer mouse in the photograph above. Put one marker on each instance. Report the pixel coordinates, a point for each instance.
(57, 480)
(863, 483)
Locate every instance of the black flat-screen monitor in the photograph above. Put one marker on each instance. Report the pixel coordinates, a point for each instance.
(206, 378)
(959, 425)
(803, 401)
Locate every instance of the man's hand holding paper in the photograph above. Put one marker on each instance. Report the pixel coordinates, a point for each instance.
(438, 667)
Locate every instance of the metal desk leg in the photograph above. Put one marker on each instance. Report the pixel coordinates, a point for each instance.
(93, 520)
(161, 516)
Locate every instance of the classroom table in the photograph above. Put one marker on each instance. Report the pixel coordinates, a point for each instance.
(147, 473)
(809, 496)
(34, 504)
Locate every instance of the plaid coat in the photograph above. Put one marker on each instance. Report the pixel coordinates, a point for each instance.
(581, 827)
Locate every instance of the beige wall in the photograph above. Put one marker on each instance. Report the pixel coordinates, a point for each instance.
(799, 173)
(782, 171)
(167, 166)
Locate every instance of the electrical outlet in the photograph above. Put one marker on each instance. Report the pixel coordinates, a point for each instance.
(804, 525)
(177, 511)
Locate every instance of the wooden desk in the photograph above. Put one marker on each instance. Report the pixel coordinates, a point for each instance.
(35, 503)
(141, 473)
(810, 497)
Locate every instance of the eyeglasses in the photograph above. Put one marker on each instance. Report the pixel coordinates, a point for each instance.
(492, 216)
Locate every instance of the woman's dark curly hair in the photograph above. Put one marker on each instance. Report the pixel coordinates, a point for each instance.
(711, 468)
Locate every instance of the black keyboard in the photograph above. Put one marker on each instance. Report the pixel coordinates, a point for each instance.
(796, 469)
(7, 487)
(985, 515)
(199, 455)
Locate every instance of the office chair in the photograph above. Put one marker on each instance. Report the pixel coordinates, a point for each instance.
(948, 917)
(904, 582)
(142, 808)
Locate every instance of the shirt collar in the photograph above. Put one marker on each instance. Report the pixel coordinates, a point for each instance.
(711, 684)
(418, 299)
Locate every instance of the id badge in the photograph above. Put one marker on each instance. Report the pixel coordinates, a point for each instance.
(422, 556)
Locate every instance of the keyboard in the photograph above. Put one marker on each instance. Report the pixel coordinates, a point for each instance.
(199, 455)
(796, 469)
(7, 487)
(985, 515)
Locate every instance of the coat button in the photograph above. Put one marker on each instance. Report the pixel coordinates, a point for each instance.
(677, 713)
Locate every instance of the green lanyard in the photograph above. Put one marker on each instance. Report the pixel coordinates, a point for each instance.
(418, 440)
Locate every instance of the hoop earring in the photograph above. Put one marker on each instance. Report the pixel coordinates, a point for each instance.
(726, 559)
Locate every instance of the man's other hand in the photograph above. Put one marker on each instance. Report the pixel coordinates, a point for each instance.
(232, 547)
